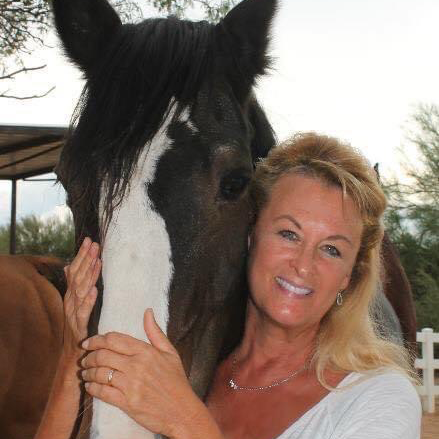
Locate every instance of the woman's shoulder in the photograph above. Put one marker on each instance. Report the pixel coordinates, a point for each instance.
(373, 402)
(380, 383)
(379, 404)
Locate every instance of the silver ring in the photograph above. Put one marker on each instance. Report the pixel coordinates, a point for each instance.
(110, 376)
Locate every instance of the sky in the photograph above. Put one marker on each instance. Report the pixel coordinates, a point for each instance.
(355, 69)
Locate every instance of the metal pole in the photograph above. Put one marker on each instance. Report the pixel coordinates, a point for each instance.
(13, 229)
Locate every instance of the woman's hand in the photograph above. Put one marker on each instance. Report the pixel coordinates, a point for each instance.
(148, 381)
(80, 297)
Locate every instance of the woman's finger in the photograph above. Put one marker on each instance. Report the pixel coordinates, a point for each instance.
(84, 310)
(155, 335)
(83, 273)
(96, 272)
(104, 375)
(82, 286)
(108, 394)
(115, 341)
(104, 358)
(83, 250)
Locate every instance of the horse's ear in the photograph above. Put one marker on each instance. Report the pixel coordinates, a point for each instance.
(85, 27)
(245, 34)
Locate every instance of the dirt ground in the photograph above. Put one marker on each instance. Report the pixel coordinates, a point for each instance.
(430, 424)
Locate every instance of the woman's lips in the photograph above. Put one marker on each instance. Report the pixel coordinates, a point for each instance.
(300, 291)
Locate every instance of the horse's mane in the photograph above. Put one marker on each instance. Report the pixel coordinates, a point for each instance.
(128, 95)
(125, 100)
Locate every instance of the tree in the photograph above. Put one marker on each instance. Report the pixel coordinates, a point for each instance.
(38, 237)
(23, 22)
(413, 216)
(213, 10)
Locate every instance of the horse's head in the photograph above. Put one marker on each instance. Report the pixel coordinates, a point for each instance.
(159, 162)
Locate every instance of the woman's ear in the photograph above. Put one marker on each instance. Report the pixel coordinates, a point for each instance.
(345, 283)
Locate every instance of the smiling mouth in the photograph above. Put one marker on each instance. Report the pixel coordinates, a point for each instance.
(301, 291)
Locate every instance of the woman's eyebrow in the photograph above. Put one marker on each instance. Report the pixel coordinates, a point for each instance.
(329, 238)
(338, 237)
(290, 218)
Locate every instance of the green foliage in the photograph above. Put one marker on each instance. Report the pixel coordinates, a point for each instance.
(412, 218)
(22, 21)
(213, 10)
(4, 239)
(34, 236)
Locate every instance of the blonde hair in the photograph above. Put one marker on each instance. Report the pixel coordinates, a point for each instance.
(348, 338)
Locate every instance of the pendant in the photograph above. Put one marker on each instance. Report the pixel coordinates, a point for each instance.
(233, 385)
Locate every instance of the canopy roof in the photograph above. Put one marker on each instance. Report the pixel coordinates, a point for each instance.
(29, 150)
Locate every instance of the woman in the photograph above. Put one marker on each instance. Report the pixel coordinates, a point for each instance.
(310, 364)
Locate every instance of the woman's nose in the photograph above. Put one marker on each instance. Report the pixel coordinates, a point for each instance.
(302, 261)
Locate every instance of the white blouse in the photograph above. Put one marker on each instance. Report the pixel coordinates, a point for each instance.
(382, 406)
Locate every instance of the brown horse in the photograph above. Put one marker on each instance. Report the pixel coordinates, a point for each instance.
(31, 328)
(398, 291)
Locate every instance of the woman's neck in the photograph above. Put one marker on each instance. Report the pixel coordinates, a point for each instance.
(267, 344)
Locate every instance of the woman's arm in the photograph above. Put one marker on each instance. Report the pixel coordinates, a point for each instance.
(200, 425)
(148, 382)
(63, 404)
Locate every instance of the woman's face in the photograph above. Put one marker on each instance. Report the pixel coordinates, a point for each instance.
(302, 251)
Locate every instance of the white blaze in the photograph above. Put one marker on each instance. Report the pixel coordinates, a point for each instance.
(137, 270)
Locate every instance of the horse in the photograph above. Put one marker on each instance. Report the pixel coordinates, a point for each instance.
(398, 292)
(31, 330)
(157, 170)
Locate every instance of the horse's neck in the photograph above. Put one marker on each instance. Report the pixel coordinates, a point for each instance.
(137, 266)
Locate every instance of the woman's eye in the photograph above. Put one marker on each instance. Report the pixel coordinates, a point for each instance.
(288, 234)
(332, 251)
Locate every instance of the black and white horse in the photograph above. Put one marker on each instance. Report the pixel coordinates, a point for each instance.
(157, 169)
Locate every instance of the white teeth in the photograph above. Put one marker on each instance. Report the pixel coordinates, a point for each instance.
(290, 287)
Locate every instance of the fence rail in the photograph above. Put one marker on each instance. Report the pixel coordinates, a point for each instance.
(428, 390)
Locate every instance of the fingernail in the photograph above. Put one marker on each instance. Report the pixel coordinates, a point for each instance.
(87, 385)
(83, 373)
(83, 362)
(85, 344)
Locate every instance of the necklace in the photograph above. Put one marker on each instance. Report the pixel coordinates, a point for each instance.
(234, 386)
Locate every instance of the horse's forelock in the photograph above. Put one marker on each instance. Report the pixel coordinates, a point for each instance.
(126, 99)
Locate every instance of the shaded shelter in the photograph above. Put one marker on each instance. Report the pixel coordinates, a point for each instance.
(27, 151)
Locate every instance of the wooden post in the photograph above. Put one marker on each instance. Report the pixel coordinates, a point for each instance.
(13, 228)
(428, 372)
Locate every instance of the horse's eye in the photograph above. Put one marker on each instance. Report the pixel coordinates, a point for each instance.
(232, 185)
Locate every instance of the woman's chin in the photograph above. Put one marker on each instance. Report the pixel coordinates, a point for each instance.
(285, 311)
(285, 316)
